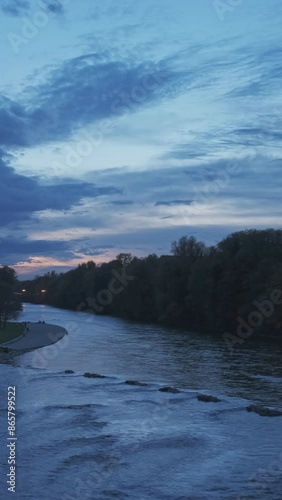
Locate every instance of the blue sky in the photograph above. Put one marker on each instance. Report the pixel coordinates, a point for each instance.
(125, 125)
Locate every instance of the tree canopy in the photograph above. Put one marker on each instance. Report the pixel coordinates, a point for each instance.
(10, 305)
(197, 287)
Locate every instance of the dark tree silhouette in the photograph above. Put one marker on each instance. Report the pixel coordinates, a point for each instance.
(199, 288)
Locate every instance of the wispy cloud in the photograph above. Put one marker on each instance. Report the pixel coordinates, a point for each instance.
(179, 104)
(22, 197)
(83, 91)
(22, 7)
(173, 203)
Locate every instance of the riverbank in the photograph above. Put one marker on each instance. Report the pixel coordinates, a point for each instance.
(11, 332)
(38, 335)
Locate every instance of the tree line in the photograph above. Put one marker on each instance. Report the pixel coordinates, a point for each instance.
(10, 303)
(212, 289)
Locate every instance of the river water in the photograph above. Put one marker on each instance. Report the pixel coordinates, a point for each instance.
(80, 438)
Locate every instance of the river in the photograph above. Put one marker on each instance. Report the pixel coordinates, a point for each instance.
(81, 438)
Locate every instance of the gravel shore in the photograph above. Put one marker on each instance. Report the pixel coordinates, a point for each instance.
(39, 335)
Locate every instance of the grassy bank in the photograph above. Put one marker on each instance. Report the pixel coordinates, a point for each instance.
(11, 332)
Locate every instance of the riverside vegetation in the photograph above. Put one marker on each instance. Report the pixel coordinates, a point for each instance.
(10, 305)
(213, 289)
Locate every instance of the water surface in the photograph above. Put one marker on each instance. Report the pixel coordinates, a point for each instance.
(101, 439)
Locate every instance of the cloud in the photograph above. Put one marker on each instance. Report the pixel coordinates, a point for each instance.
(255, 136)
(55, 6)
(18, 8)
(251, 181)
(195, 85)
(184, 152)
(217, 203)
(14, 121)
(173, 203)
(260, 71)
(96, 86)
(93, 251)
(15, 7)
(87, 89)
(11, 248)
(82, 91)
(122, 202)
(21, 196)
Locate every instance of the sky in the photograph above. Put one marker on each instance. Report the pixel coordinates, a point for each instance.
(125, 125)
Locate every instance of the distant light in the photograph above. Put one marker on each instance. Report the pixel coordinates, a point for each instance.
(43, 291)
(23, 291)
